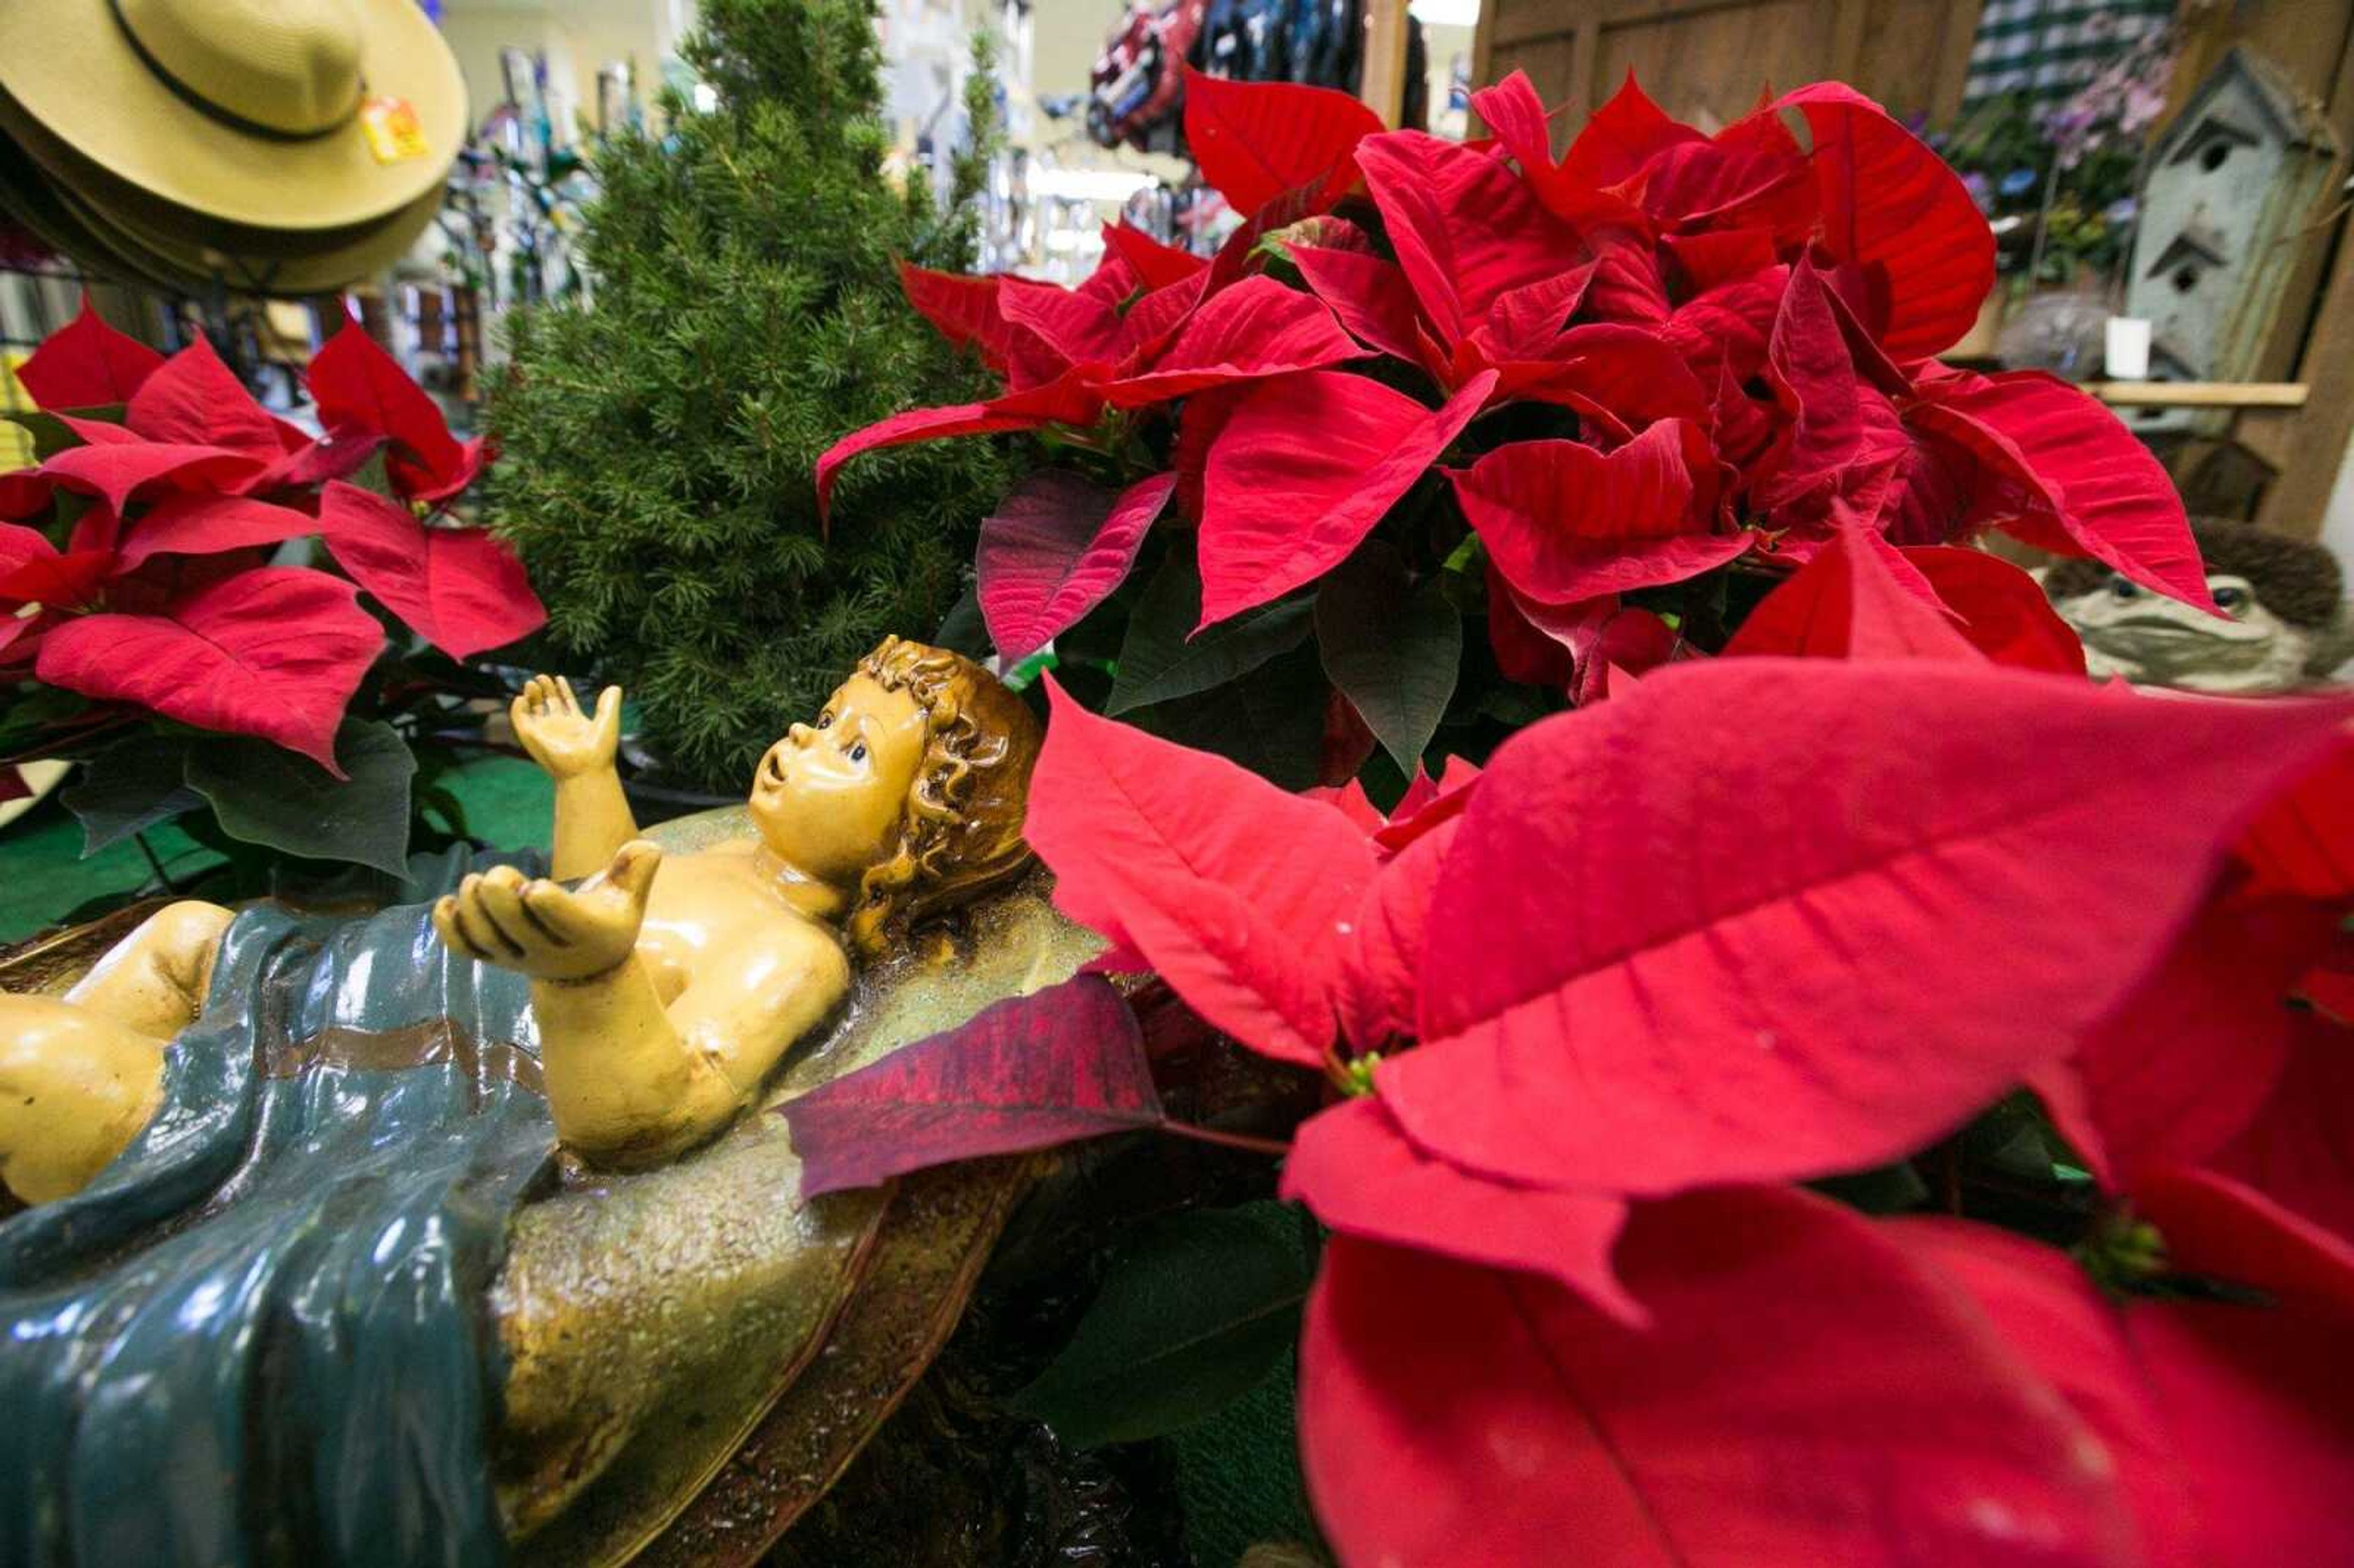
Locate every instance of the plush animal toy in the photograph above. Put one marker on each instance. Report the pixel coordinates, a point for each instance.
(2283, 622)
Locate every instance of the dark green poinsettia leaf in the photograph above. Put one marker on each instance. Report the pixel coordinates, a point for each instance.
(1270, 721)
(1887, 1189)
(2026, 1155)
(2013, 1140)
(1096, 640)
(1158, 664)
(1515, 707)
(30, 716)
(131, 786)
(266, 795)
(372, 475)
(1195, 1309)
(962, 630)
(1394, 649)
(50, 434)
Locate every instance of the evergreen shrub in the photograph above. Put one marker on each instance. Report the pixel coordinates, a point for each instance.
(658, 435)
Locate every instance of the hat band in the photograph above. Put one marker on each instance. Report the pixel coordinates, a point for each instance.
(228, 117)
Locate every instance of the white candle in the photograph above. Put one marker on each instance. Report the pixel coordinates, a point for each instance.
(2128, 348)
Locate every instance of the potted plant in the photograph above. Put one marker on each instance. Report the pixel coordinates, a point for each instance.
(1811, 1077)
(2060, 182)
(229, 621)
(656, 431)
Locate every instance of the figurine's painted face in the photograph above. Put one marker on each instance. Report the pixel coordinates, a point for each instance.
(829, 797)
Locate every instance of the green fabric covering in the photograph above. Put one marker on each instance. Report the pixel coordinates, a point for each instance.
(1239, 1473)
(509, 802)
(44, 878)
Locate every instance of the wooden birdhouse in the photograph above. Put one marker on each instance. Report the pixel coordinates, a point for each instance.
(2232, 184)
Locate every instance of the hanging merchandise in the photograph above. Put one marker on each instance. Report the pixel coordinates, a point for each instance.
(197, 142)
(1326, 37)
(1178, 30)
(1137, 94)
(1251, 40)
(1414, 105)
(1187, 217)
(526, 76)
(532, 186)
(1137, 88)
(1122, 78)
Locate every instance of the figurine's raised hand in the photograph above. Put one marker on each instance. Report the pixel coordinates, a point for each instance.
(545, 930)
(559, 737)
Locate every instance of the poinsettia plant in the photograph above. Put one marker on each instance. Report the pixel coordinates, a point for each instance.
(1825, 1082)
(155, 630)
(1594, 405)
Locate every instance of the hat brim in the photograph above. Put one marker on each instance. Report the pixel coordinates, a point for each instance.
(70, 67)
(195, 251)
(26, 197)
(359, 253)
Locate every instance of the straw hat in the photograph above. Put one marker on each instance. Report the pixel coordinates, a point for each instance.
(117, 228)
(272, 114)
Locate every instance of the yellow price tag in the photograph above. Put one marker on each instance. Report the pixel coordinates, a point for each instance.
(393, 133)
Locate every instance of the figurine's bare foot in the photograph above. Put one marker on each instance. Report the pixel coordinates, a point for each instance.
(547, 931)
(81, 1074)
(154, 980)
(76, 1086)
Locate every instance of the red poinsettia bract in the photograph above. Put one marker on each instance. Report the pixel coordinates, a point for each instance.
(1794, 912)
(1756, 920)
(2213, 1376)
(179, 482)
(2256, 1081)
(1661, 353)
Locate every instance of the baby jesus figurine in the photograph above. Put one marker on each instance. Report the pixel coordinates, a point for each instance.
(664, 993)
(279, 1162)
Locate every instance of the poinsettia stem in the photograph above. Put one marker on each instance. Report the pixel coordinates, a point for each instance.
(1945, 1165)
(154, 865)
(1274, 1148)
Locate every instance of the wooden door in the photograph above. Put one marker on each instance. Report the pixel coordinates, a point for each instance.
(1706, 61)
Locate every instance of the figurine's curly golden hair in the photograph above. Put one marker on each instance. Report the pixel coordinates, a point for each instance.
(962, 831)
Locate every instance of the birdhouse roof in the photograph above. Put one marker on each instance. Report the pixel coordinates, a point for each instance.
(2167, 365)
(2196, 242)
(2295, 119)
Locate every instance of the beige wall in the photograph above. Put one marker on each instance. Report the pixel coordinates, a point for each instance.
(577, 36)
(475, 35)
(1066, 37)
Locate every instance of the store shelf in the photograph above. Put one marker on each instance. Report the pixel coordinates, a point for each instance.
(2199, 394)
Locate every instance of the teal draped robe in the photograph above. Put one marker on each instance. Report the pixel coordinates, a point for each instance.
(259, 1338)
